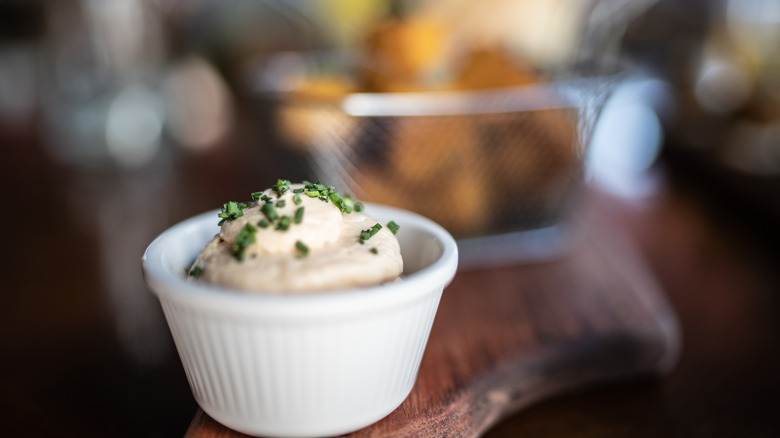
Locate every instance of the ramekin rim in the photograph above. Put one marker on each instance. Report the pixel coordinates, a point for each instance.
(167, 284)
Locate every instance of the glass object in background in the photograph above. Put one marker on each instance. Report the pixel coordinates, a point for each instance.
(722, 60)
(103, 118)
(114, 91)
(739, 79)
(102, 61)
(20, 32)
(629, 137)
(119, 105)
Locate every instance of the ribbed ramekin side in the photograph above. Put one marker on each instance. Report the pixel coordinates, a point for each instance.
(292, 377)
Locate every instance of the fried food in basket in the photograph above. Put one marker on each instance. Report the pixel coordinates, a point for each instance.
(434, 166)
(310, 116)
(537, 154)
(399, 54)
(490, 68)
(481, 173)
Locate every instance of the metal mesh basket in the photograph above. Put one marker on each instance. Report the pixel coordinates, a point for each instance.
(480, 163)
(500, 168)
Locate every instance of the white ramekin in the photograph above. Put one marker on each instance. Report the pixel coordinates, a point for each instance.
(303, 365)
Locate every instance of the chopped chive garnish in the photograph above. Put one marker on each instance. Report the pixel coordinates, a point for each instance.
(269, 211)
(284, 223)
(366, 234)
(195, 272)
(350, 201)
(346, 204)
(245, 238)
(232, 211)
(190, 266)
(281, 186)
(393, 227)
(327, 192)
(302, 248)
(374, 250)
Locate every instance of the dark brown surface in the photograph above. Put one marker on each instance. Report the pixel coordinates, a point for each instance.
(85, 352)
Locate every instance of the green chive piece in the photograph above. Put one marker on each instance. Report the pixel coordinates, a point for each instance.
(232, 211)
(190, 266)
(245, 238)
(343, 203)
(302, 248)
(284, 223)
(195, 272)
(374, 250)
(366, 234)
(393, 227)
(346, 204)
(282, 185)
(269, 211)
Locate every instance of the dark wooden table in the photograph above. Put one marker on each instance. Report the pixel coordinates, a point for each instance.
(84, 350)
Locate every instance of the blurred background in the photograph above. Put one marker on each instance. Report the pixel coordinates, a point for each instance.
(120, 118)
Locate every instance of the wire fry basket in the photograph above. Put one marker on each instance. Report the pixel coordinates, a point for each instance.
(474, 114)
(505, 162)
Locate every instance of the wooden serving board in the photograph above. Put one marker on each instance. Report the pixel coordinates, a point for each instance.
(507, 337)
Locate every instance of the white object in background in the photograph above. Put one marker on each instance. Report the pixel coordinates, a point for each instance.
(628, 137)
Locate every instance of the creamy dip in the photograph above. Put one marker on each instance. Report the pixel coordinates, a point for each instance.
(316, 249)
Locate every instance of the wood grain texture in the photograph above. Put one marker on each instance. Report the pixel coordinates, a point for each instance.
(507, 337)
